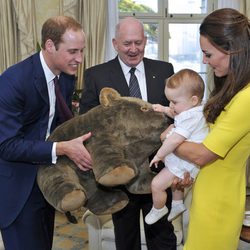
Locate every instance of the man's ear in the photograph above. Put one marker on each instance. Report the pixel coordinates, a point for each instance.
(49, 46)
(114, 42)
(195, 100)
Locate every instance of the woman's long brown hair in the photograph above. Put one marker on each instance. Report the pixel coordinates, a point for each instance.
(229, 31)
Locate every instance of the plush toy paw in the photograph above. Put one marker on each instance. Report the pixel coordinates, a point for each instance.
(63, 193)
(119, 175)
(107, 201)
(72, 201)
(141, 184)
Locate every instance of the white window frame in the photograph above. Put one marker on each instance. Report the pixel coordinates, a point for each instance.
(163, 19)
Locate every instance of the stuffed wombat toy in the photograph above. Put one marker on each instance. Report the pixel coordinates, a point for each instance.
(125, 132)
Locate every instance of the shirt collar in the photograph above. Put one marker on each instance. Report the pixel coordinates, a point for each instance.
(49, 75)
(126, 68)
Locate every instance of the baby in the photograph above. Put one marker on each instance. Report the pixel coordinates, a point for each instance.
(185, 91)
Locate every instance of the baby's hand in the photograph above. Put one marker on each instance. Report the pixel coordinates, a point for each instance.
(169, 112)
(155, 161)
(163, 109)
(158, 108)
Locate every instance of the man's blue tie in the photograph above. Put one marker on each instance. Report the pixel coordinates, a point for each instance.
(134, 89)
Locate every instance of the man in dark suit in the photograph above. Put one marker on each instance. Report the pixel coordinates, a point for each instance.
(28, 113)
(129, 43)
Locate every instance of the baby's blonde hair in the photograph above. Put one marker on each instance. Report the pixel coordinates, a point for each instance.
(188, 79)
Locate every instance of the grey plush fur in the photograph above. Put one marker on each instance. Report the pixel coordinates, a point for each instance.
(125, 132)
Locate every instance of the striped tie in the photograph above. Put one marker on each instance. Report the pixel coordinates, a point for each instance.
(134, 89)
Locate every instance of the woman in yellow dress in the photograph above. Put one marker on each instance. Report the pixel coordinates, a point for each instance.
(218, 202)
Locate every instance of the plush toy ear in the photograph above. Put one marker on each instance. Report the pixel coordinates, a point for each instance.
(108, 96)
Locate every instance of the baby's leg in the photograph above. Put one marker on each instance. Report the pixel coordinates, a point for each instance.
(159, 184)
(178, 194)
(178, 206)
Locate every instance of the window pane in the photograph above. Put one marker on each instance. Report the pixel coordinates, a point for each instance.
(184, 47)
(138, 6)
(152, 33)
(187, 6)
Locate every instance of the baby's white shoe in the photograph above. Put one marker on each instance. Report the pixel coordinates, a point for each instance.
(155, 214)
(176, 210)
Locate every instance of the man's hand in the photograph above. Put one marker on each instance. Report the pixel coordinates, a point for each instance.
(76, 151)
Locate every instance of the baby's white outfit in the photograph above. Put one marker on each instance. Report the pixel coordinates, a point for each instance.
(192, 125)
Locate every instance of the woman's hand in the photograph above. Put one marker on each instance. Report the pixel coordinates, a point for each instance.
(179, 183)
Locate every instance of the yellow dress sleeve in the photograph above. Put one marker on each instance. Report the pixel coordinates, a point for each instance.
(231, 125)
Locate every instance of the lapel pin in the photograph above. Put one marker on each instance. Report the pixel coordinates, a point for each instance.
(153, 76)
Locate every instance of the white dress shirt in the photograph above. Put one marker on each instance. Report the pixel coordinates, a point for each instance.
(49, 75)
(140, 74)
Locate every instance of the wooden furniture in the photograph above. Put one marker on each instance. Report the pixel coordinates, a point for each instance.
(245, 234)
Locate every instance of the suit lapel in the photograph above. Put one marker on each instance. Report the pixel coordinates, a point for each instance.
(151, 79)
(120, 84)
(118, 79)
(40, 81)
(42, 89)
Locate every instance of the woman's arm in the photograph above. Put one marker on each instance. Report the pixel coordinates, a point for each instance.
(196, 153)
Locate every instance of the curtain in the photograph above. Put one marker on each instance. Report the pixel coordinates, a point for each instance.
(8, 34)
(18, 31)
(68, 8)
(26, 24)
(245, 7)
(93, 16)
(113, 19)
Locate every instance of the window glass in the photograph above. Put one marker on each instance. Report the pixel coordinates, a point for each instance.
(187, 6)
(152, 33)
(172, 29)
(139, 6)
(184, 47)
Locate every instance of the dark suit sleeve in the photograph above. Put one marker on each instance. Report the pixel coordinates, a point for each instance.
(156, 74)
(108, 74)
(90, 93)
